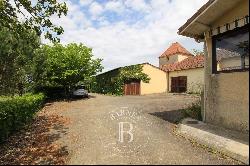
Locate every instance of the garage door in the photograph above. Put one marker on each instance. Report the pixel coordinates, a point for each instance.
(179, 84)
(132, 87)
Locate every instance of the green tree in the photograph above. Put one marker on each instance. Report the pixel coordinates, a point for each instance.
(197, 52)
(35, 15)
(65, 66)
(16, 55)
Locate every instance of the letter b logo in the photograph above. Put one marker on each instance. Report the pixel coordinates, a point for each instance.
(122, 131)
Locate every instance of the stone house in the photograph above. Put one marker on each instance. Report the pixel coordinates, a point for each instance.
(184, 71)
(223, 26)
(179, 71)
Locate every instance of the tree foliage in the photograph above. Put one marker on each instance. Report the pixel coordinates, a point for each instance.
(21, 24)
(65, 66)
(133, 72)
(16, 56)
(197, 52)
(112, 82)
(35, 15)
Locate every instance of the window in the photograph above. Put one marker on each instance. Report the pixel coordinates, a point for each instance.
(231, 50)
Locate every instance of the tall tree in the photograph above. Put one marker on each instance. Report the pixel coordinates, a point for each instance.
(21, 24)
(35, 15)
(16, 54)
(65, 65)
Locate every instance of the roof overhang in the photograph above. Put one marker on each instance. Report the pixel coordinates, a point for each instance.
(202, 20)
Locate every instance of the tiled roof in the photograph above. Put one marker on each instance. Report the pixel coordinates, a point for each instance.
(176, 48)
(188, 63)
(224, 54)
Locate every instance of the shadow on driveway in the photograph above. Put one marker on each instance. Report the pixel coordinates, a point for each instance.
(36, 144)
(173, 116)
(70, 99)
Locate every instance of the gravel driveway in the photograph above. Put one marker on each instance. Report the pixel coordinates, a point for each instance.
(92, 136)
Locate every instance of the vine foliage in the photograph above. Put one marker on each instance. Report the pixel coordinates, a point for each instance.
(112, 82)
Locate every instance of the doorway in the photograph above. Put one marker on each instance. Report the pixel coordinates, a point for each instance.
(179, 84)
(132, 87)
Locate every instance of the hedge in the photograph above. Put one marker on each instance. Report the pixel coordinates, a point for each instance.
(16, 111)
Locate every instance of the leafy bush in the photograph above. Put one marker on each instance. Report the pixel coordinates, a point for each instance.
(194, 111)
(64, 66)
(16, 111)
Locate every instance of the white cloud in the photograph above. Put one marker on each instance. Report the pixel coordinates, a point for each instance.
(96, 9)
(85, 2)
(75, 19)
(138, 5)
(120, 43)
(116, 6)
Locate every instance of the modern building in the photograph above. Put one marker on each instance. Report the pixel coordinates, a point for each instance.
(223, 26)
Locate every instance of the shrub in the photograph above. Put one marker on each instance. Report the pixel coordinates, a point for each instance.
(16, 111)
(194, 111)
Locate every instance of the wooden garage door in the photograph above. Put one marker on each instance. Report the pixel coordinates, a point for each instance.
(132, 87)
(179, 84)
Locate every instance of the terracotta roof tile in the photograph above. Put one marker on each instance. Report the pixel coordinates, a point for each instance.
(224, 54)
(188, 63)
(176, 48)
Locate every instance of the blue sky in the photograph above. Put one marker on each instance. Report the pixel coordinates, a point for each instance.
(124, 32)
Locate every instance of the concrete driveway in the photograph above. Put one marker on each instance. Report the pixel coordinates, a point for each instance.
(129, 130)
